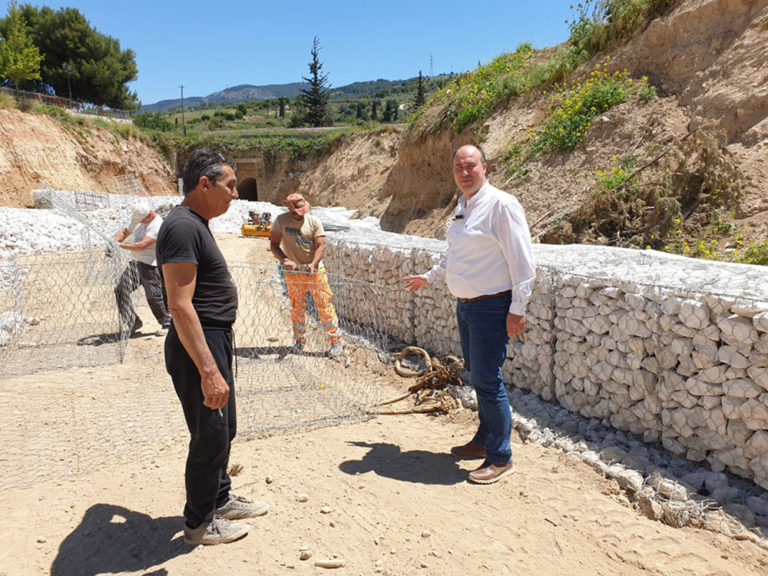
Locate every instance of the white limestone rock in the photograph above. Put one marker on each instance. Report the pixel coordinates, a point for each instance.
(694, 314)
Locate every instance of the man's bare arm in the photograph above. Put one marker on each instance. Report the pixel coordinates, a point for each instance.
(180, 281)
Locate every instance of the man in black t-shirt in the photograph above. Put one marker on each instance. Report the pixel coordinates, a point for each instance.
(202, 300)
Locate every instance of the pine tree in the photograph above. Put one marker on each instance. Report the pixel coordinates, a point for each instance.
(420, 99)
(316, 97)
(390, 110)
(19, 57)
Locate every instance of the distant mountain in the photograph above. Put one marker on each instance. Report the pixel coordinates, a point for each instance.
(241, 93)
(249, 93)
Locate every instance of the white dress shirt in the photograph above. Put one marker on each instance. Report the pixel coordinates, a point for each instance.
(489, 249)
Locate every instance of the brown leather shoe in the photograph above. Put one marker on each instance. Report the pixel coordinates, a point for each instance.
(469, 450)
(490, 473)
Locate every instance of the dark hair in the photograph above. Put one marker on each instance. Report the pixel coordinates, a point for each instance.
(482, 152)
(201, 163)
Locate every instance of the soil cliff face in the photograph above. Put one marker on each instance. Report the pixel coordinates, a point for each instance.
(708, 59)
(35, 148)
(714, 55)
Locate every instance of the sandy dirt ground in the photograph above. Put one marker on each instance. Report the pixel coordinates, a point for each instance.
(379, 496)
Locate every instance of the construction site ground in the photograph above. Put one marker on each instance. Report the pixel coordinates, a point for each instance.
(379, 496)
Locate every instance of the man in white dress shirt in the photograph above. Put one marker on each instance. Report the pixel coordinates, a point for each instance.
(489, 267)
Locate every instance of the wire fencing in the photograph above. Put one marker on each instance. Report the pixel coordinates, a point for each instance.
(83, 392)
(57, 311)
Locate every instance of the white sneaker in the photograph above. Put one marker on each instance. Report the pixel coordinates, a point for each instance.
(238, 507)
(218, 531)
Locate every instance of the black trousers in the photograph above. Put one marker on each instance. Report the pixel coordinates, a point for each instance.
(211, 434)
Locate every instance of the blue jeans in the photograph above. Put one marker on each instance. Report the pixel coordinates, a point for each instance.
(483, 333)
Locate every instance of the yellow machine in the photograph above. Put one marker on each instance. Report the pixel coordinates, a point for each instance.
(257, 225)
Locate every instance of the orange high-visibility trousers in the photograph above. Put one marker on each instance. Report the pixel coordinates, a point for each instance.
(298, 283)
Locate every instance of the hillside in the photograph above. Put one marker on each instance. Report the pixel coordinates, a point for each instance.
(233, 95)
(703, 137)
(250, 93)
(36, 148)
(709, 61)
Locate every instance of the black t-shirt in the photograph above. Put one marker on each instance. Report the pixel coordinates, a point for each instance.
(185, 237)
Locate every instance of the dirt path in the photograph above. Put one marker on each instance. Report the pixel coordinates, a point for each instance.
(383, 496)
(397, 502)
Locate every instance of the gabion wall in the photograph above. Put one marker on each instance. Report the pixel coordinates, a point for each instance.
(670, 348)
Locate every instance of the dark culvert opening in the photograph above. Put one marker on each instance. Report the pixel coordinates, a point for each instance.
(247, 190)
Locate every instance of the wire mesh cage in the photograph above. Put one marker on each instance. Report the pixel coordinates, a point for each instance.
(129, 185)
(282, 385)
(58, 314)
(59, 311)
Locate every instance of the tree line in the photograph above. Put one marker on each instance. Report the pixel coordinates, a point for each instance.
(58, 52)
(317, 105)
(313, 104)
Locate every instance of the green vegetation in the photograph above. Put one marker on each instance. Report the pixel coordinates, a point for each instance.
(570, 113)
(755, 254)
(472, 96)
(679, 200)
(420, 95)
(152, 121)
(19, 57)
(294, 145)
(573, 108)
(314, 100)
(77, 61)
(598, 25)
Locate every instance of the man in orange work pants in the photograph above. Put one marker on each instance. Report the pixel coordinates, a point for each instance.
(297, 240)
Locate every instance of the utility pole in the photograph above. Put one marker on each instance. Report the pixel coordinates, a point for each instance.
(183, 123)
(431, 71)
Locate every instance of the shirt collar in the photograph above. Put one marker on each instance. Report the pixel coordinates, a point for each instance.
(477, 195)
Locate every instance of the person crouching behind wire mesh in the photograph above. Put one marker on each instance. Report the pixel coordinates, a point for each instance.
(298, 241)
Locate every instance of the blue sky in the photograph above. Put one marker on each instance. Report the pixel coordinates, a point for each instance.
(209, 46)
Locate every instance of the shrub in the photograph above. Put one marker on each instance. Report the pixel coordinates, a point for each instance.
(755, 254)
(602, 24)
(152, 121)
(474, 95)
(573, 108)
(7, 101)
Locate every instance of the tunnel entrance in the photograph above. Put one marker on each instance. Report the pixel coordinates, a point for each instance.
(248, 190)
